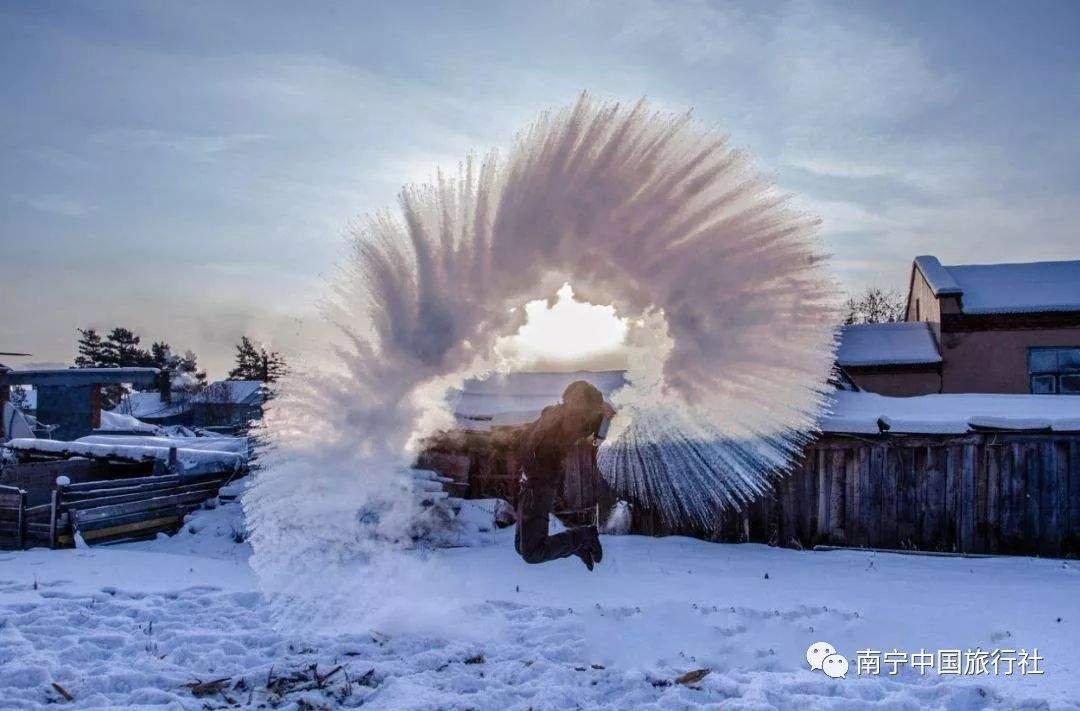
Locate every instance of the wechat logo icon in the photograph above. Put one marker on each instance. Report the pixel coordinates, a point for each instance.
(822, 656)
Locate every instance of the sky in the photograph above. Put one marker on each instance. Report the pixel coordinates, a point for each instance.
(189, 170)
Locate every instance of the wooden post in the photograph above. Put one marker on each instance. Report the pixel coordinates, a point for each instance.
(57, 501)
(53, 514)
(20, 532)
(5, 391)
(174, 460)
(95, 406)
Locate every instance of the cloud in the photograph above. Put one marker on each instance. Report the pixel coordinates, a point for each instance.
(842, 66)
(193, 146)
(245, 139)
(696, 29)
(55, 204)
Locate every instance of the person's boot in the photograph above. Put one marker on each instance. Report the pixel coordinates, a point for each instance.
(584, 546)
(589, 549)
(586, 557)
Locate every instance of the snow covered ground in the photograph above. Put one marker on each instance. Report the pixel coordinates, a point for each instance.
(144, 624)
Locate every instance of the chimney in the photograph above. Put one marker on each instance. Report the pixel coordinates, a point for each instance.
(165, 387)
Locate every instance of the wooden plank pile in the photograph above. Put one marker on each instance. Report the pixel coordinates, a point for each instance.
(109, 511)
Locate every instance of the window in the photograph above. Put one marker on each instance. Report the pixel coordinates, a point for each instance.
(918, 310)
(1054, 371)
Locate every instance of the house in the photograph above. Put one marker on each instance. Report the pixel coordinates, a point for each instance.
(228, 405)
(890, 358)
(985, 328)
(69, 399)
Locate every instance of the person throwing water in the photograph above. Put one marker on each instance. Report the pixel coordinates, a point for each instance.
(542, 447)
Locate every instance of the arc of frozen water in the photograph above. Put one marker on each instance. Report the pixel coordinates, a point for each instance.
(731, 335)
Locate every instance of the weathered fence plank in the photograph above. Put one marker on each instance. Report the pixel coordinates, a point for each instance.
(979, 518)
(906, 501)
(951, 520)
(966, 501)
(890, 488)
(1032, 480)
(824, 495)
(1074, 495)
(993, 496)
(875, 476)
(841, 484)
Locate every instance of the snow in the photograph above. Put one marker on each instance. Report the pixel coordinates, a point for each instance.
(859, 412)
(149, 405)
(126, 423)
(886, 344)
(1032, 287)
(133, 625)
(235, 445)
(190, 459)
(1019, 288)
(937, 276)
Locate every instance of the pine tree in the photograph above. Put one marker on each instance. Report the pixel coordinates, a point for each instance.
(271, 366)
(161, 357)
(91, 349)
(122, 350)
(181, 372)
(247, 361)
(254, 362)
(189, 364)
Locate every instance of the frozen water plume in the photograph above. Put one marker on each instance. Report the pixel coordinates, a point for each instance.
(730, 338)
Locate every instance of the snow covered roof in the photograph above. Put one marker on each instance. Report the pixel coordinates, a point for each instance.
(236, 392)
(515, 398)
(191, 460)
(149, 406)
(886, 344)
(937, 276)
(1032, 287)
(236, 445)
(1019, 288)
(125, 423)
(859, 412)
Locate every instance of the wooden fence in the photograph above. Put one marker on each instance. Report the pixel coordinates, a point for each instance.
(105, 510)
(12, 517)
(977, 493)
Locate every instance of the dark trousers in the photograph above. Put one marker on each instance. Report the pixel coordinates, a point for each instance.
(532, 540)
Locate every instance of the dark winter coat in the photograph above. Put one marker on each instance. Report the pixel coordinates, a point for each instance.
(544, 444)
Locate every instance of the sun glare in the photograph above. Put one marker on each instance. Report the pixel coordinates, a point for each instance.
(568, 335)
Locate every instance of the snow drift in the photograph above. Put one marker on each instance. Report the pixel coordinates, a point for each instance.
(731, 336)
